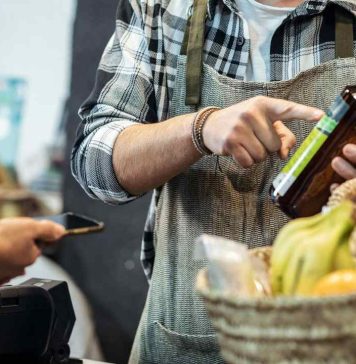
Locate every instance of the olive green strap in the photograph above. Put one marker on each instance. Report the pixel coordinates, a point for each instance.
(194, 42)
(183, 50)
(195, 52)
(344, 37)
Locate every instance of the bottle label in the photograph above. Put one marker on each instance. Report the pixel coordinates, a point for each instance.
(309, 147)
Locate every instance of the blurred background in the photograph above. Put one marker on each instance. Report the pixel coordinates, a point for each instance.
(50, 50)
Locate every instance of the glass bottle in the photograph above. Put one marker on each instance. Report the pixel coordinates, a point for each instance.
(302, 187)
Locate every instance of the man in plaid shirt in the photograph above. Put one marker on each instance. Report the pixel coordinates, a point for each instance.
(130, 142)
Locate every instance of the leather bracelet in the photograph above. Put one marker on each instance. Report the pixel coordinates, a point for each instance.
(197, 129)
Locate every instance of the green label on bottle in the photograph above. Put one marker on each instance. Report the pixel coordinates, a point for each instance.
(306, 152)
(309, 147)
(326, 125)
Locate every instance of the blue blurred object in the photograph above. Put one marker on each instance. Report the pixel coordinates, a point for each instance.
(12, 97)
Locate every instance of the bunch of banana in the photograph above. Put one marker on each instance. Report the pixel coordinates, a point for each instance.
(346, 191)
(307, 249)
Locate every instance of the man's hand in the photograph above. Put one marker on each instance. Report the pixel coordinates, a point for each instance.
(146, 156)
(345, 167)
(253, 129)
(18, 247)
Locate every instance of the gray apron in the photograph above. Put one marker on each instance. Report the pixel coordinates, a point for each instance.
(228, 201)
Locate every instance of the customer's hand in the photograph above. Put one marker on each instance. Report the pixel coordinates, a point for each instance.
(18, 247)
(253, 129)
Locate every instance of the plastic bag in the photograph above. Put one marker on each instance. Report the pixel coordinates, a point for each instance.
(231, 270)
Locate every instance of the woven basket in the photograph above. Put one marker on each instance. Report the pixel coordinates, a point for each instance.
(282, 329)
(346, 191)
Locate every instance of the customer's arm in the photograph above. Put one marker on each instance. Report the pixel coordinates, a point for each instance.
(18, 247)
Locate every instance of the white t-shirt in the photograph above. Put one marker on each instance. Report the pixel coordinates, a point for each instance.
(262, 21)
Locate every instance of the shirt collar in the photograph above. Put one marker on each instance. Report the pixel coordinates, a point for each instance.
(211, 8)
(313, 7)
(309, 7)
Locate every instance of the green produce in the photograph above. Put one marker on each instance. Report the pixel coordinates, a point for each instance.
(284, 246)
(309, 248)
(343, 257)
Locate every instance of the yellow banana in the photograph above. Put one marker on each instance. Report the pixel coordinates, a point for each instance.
(306, 250)
(343, 257)
(284, 246)
(352, 243)
(309, 254)
(315, 256)
(318, 259)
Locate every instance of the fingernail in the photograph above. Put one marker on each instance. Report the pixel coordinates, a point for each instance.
(335, 162)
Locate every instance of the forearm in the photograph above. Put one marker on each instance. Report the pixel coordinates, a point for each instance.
(147, 156)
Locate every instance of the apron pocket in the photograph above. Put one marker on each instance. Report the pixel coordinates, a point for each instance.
(176, 348)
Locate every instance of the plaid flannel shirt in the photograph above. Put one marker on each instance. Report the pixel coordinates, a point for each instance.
(136, 77)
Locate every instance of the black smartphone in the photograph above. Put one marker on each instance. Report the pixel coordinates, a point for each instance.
(75, 223)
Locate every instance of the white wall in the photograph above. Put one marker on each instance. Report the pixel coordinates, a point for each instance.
(35, 43)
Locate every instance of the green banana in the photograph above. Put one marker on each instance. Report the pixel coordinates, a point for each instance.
(317, 259)
(352, 243)
(306, 255)
(284, 246)
(307, 249)
(343, 257)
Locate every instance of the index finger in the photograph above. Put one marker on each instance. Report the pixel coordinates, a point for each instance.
(284, 110)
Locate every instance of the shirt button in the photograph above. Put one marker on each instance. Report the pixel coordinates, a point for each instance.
(240, 41)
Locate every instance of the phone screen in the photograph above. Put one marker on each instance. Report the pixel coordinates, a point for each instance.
(74, 223)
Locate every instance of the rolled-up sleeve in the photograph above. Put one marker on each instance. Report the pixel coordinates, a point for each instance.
(123, 96)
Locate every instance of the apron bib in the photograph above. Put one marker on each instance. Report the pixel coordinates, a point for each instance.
(228, 201)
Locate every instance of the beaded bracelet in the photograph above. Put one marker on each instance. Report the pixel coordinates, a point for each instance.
(197, 129)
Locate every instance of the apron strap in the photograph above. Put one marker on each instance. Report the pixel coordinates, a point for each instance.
(193, 45)
(183, 50)
(344, 39)
(195, 52)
